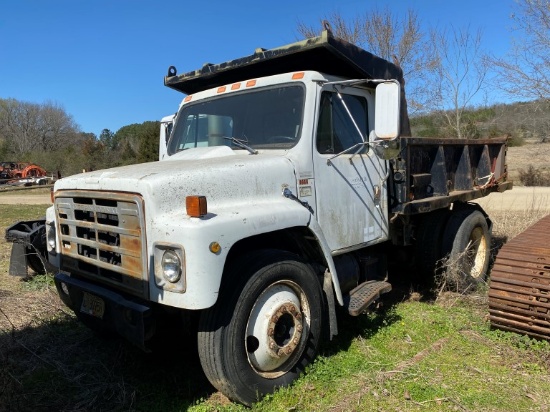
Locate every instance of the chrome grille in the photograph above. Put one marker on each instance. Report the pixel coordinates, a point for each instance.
(102, 237)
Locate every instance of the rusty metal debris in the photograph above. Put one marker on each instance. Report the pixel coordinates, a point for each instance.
(519, 294)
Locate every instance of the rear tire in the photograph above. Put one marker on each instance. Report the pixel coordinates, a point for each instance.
(467, 243)
(265, 328)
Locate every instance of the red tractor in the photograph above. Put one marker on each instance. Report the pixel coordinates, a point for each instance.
(11, 172)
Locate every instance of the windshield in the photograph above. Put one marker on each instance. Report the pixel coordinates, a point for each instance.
(261, 119)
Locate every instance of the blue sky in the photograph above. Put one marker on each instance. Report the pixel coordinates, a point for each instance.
(104, 60)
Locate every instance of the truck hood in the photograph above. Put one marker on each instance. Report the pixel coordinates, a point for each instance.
(224, 176)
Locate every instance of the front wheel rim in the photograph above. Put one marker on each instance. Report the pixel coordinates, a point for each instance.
(277, 329)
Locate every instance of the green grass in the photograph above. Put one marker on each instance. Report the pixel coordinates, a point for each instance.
(422, 356)
(10, 214)
(412, 355)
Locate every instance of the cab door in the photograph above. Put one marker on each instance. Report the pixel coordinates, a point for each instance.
(350, 186)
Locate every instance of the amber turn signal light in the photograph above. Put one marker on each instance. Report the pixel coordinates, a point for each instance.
(196, 206)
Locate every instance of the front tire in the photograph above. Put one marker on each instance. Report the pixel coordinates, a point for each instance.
(265, 328)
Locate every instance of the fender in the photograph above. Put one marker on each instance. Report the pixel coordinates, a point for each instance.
(316, 229)
(226, 226)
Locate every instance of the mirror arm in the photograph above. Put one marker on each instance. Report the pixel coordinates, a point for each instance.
(359, 146)
(349, 114)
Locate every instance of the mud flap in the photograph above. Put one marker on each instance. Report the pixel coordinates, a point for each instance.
(29, 248)
(18, 260)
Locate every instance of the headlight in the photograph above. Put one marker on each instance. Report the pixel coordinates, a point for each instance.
(50, 236)
(171, 266)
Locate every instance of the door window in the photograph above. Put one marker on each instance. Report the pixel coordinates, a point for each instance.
(336, 131)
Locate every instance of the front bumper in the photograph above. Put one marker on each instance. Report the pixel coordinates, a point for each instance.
(131, 320)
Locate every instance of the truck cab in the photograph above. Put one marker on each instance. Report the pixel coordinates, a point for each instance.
(274, 203)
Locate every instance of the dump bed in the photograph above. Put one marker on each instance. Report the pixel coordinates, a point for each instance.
(430, 174)
(324, 53)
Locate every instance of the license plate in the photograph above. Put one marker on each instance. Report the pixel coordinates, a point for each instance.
(92, 305)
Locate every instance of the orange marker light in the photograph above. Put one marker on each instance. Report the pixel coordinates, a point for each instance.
(235, 86)
(188, 98)
(221, 89)
(215, 247)
(298, 76)
(251, 83)
(196, 206)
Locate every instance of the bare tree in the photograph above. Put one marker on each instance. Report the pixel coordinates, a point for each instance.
(57, 128)
(461, 76)
(525, 70)
(393, 38)
(351, 31)
(26, 127)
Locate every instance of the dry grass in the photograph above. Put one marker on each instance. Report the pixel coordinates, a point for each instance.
(507, 225)
(50, 361)
(451, 277)
(531, 153)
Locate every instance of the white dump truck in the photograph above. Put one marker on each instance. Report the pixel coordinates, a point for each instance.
(288, 182)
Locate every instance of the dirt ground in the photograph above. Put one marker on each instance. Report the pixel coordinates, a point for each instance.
(518, 199)
(32, 196)
(26, 199)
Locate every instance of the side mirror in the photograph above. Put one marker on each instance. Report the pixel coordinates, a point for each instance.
(166, 125)
(167, 131)
(386, 114)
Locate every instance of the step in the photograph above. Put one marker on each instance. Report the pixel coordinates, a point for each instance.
(364, 295)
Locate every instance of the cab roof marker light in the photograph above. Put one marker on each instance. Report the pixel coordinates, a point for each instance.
(188, 98)
(221, 89)
(251, 83)
(235, 86)
(298, 76)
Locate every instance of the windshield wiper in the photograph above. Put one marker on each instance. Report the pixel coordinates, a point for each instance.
(241, 143)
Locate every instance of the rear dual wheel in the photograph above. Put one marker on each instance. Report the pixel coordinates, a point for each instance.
(265, 328)
(467, 245)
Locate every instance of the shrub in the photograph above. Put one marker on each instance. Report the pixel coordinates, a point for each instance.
(534, 177)
(515, 141)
